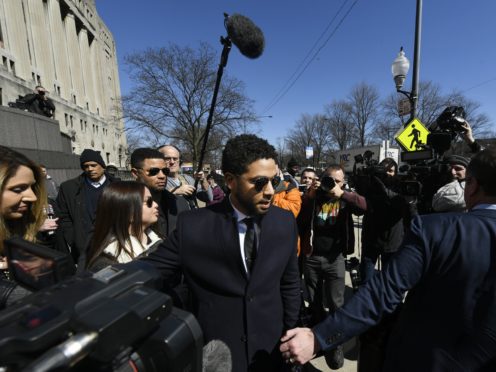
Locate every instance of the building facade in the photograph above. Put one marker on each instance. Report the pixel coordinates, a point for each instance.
(64, 46)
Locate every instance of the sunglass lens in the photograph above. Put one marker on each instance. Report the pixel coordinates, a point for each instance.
(149, 202)
(153, 171)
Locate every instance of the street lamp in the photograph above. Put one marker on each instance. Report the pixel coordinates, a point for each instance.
(400, 68)
(401, 65)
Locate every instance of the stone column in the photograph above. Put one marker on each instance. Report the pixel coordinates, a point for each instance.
(74, 59)
(60, 51)
(40, 32)
(16, 38)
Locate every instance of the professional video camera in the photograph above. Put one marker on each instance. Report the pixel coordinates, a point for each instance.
(364, 169)
(114, 319)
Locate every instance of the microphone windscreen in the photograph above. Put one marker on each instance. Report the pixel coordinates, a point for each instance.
(245, 35)
(216, 357)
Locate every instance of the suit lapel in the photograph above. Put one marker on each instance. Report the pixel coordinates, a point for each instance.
(230, 239)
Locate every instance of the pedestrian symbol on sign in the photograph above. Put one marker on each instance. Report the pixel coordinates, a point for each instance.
(414, 136)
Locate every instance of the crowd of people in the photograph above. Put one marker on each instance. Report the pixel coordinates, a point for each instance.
(249, 253)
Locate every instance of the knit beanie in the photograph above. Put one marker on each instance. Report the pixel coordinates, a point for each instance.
(457, 159)
(91, 155)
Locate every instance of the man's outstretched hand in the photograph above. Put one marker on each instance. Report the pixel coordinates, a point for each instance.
(299, 345)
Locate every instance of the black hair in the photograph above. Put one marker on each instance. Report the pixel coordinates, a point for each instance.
(482, 167)
(243, 150)
(140, 155)
(308, 170)
(389, 163)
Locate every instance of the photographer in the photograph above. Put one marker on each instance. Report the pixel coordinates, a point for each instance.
(39, 103)
(326, 230)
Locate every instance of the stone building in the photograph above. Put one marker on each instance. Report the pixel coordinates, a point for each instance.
(64, 46)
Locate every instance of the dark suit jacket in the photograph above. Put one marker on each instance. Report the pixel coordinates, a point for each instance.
(71, 208)
(444, 264)
(248, 314)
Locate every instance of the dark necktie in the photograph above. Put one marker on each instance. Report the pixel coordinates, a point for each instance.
(250, 243)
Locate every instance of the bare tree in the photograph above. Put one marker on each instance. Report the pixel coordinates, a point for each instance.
(310, 130)
(171, 97)
(341, 128)
(364, 103)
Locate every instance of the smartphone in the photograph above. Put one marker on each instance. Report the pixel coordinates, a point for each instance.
(302, 188)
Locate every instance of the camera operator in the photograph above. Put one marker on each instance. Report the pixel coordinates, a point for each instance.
(383, 223)
(39, 103)
(327, 236)
(449, 198)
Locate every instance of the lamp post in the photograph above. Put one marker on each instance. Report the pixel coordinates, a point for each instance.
(401, 65)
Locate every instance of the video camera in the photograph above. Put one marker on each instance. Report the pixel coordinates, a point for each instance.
(364, 169)
(111, 320)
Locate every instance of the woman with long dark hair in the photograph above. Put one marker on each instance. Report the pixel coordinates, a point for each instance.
(124, 216)
(22, 201)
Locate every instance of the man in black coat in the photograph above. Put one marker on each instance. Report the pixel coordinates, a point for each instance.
(77, 202)
(239, 259)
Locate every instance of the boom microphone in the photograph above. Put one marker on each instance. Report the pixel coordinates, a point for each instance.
(245, 35)
(216, 357)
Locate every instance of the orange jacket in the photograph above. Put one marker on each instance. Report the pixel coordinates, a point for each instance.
(289, 198)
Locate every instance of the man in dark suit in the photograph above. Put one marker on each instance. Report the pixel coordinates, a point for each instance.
(239, 259)
(77, 201)
(445, 264)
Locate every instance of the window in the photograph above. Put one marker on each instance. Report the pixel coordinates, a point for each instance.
(66, 120)
(1, 97)
(12, 67)
(5, 63)
(81, 124)
(72, 121)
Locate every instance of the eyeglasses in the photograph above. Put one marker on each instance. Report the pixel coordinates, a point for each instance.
(170, 158)
(261, 182)
(154, 171)
(149, 202)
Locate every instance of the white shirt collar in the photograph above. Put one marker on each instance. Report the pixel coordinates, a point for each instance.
(98, 183)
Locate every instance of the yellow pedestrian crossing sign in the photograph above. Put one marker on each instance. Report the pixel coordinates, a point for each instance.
(414, 136)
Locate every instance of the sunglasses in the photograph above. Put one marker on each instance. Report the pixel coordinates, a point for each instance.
(261, 182)
(149, 202)
(155, 171)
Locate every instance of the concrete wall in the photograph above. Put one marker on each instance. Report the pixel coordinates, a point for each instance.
(40, 139)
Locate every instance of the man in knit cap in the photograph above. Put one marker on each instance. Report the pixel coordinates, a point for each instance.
(449, 198)
(77, 201)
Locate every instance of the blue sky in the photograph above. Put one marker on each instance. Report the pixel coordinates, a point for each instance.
(458, 48)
